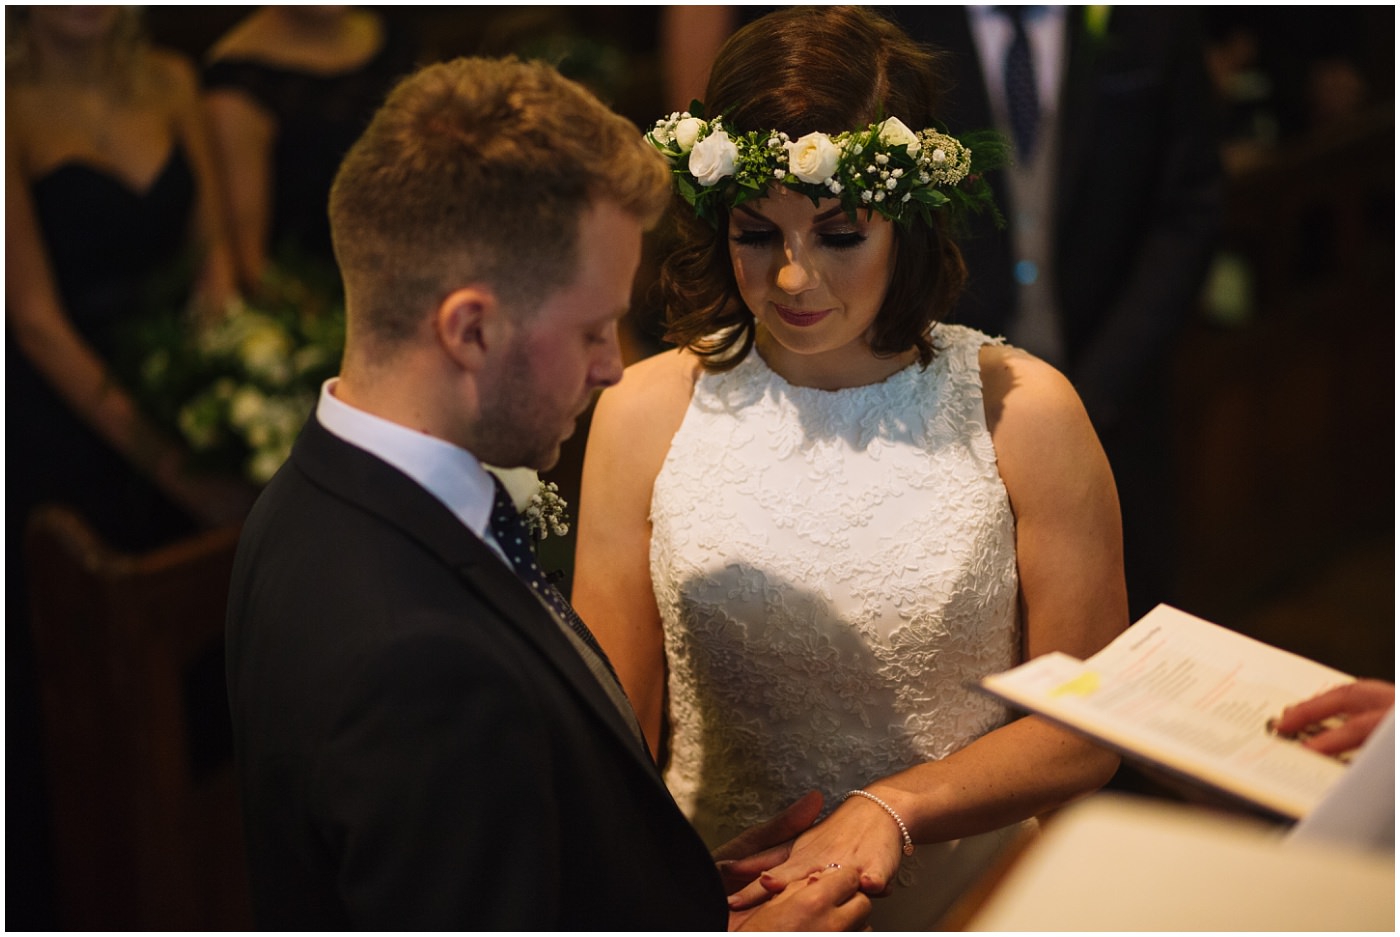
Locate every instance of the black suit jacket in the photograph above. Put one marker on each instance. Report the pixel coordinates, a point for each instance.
(419, 745)
(1137, 201)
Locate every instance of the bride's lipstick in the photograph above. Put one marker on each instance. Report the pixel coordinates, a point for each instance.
(800, 317)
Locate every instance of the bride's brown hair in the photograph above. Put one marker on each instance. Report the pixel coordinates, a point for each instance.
(802, 70)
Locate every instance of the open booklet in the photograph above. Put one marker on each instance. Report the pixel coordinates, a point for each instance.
(1192, 699)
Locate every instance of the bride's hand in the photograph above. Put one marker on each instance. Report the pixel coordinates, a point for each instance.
(763, 846)
(858, 836)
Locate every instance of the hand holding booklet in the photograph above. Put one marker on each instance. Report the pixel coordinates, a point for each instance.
(1190, 698)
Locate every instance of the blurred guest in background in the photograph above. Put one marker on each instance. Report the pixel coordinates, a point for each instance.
(110, 198)
(288, 90)
(1112, 207)
(110, 209)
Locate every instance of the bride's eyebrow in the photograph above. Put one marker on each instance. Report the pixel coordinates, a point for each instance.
(757, 216)
(745, 210)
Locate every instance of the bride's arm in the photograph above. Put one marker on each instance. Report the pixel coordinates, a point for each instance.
(1073, 599)
(628, 439)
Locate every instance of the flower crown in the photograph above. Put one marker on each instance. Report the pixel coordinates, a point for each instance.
(885, 168)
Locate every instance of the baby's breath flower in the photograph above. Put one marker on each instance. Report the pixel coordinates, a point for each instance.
(547, 513)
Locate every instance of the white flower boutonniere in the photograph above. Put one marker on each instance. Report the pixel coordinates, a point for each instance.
(541, 508)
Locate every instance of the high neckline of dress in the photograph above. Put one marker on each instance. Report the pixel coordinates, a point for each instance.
(891, 379)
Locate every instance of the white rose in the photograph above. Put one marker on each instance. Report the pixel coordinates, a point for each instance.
(266, 351)
(289, 415)
(246, 408)
(893, 133)
(713, 158)
(813, 158)
(687, 132)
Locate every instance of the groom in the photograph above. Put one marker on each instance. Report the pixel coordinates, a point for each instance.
(422, 743)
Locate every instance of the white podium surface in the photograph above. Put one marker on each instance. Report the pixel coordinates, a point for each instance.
(1118, 863)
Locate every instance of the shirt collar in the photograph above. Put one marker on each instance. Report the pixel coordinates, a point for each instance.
(450, 473)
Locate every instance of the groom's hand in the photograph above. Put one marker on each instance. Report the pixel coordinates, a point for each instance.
(828, 900)
(759, 848)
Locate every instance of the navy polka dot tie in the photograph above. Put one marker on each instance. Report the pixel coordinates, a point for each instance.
(1022, 99)
(510, 533)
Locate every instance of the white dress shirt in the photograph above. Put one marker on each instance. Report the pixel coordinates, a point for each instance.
(450, 473)
(1045, 29)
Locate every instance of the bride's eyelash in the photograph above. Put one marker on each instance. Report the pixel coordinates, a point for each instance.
(838, 240)
(749, 237)
(843, 239)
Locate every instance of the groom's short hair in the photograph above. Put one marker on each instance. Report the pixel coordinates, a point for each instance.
(479, 170)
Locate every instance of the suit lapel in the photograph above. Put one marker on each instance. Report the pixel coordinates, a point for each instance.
(375, 486)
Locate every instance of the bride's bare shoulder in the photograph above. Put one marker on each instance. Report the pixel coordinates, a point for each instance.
(652, 396)
(656, 385)
(636, 419)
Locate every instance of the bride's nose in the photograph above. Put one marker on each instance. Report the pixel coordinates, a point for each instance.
(795, 273)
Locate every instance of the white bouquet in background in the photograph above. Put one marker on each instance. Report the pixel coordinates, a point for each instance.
(238, 390)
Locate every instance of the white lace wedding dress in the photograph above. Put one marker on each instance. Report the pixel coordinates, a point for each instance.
(833, 568)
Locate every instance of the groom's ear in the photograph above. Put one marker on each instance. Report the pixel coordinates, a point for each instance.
(470, 324)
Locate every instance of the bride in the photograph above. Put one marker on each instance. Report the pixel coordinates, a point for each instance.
(806, 531)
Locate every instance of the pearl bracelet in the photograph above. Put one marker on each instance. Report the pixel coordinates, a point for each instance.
(903, 830)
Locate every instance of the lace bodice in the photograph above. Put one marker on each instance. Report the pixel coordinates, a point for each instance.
(832, 568)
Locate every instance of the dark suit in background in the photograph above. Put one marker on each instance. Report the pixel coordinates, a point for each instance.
(1135, 208)
(418, 739)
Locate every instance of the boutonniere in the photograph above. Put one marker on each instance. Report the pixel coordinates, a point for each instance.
(1096, 21)
(541, 508)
